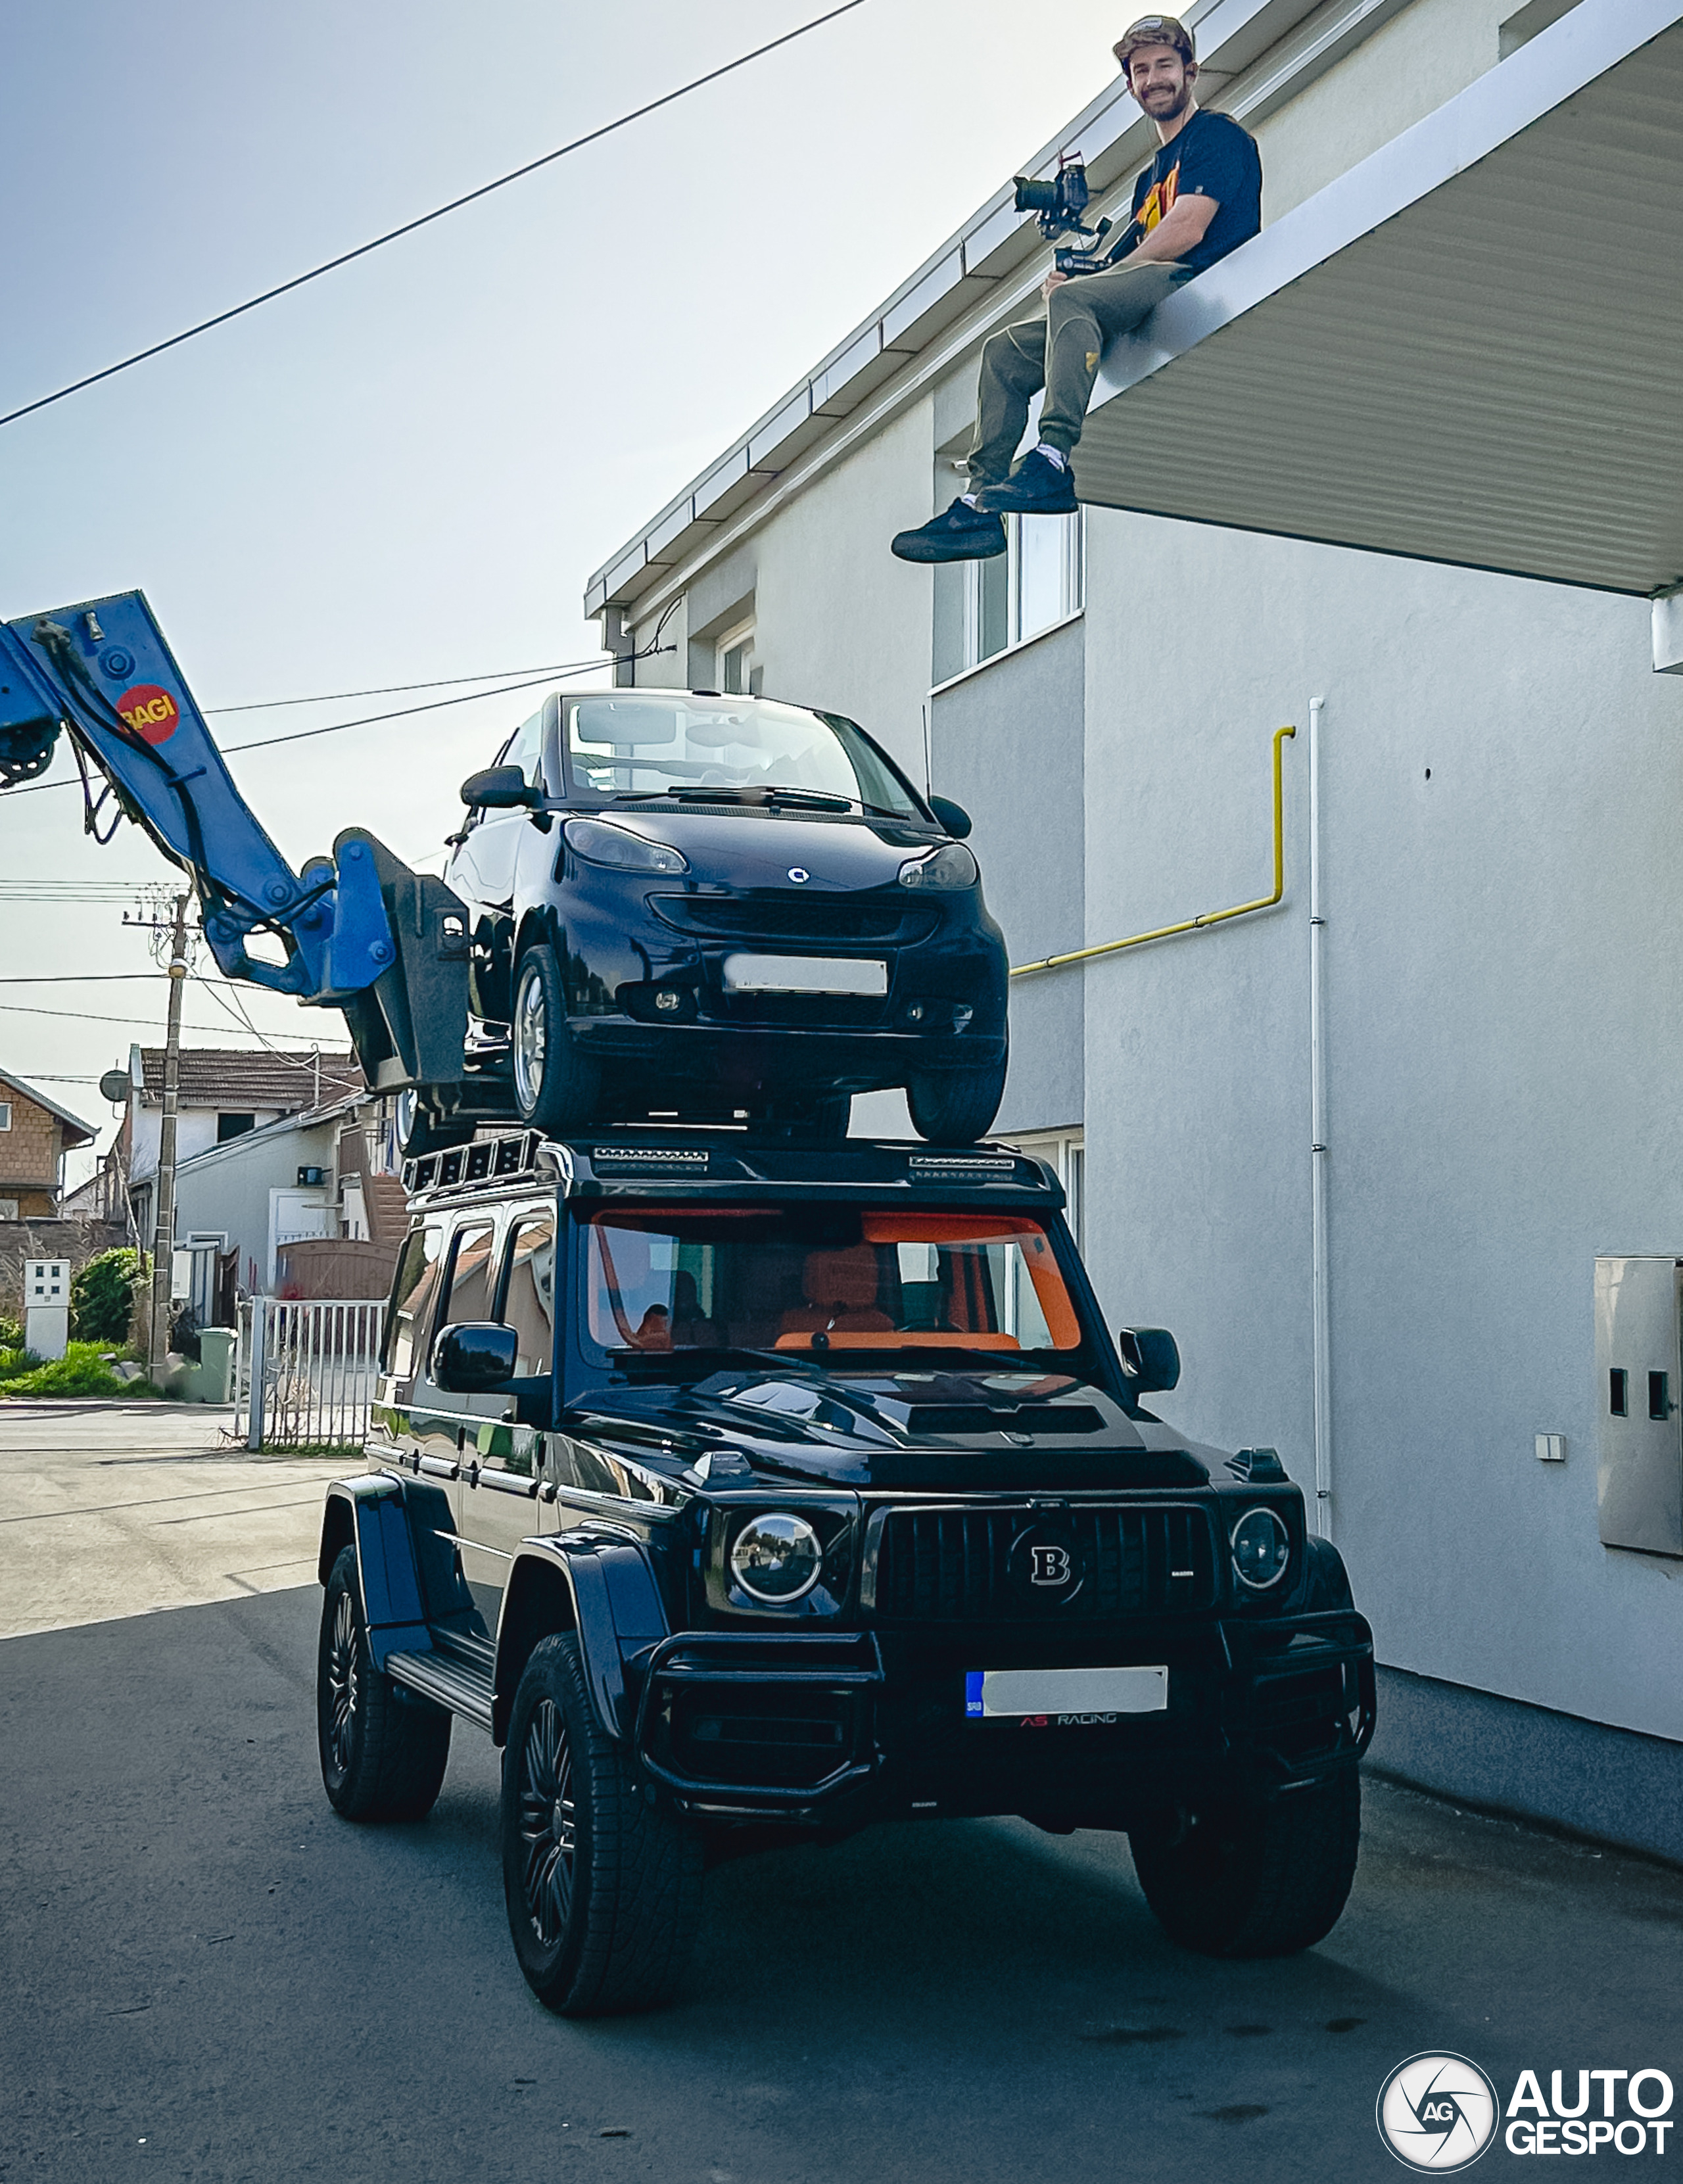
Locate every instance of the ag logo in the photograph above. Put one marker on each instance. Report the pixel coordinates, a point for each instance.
(799, 875)
(1046, 1566)
(1437, 2113)
(152, 713)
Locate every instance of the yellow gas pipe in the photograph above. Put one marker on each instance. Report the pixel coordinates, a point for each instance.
(1190, 924)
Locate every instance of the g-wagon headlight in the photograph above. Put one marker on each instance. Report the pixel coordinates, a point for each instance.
(1262, 1549)
(776, 1558)
(951, 867)
(599, 843)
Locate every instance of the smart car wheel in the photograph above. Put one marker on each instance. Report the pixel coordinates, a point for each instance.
(420, 1129)
(555, 1087)
(603, 1887)
(956, 1106)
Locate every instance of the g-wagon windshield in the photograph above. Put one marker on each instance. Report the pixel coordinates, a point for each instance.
(815, 1281)
(660, 744)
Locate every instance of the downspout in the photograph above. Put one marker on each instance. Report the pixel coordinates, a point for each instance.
(1318, 1140)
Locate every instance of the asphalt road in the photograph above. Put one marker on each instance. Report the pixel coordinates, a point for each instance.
(204, 1974)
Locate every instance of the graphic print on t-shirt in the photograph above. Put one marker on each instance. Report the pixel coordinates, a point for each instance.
(1159, 200)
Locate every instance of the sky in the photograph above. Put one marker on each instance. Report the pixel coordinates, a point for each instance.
(409, 468)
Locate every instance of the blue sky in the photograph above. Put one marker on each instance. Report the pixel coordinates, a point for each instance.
(410, 468)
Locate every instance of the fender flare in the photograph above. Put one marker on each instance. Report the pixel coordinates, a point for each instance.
(371, 1514)
(611, 1604)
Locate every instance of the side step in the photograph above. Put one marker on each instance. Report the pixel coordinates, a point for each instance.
(450, 1678)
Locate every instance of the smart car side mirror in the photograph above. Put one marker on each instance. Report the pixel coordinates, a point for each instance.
(500, 789)
(474, 1357)
(953, 816)
(1151, 1358)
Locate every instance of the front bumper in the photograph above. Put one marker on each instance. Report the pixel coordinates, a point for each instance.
(835, 1729)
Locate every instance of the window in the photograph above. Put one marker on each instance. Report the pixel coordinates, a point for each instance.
(1036, 581)
(8, 1209)
(526, 749)
(413, 1293)
(740, 674)
(5, 1114)
(788, 1278)
(648, 744)
(527, 1300)
(467, 1288)
(233, 1126)
(1065, 1152)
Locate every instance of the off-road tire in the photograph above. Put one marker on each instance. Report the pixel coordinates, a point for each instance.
(383, 1756)
(956, 1106)
(559, 1091)
(1249, 1879)
(421, 1131)
(603, 1904)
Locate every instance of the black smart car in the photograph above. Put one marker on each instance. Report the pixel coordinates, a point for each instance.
(748, 1493)
(714, 909)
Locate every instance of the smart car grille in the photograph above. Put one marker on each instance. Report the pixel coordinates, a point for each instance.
(804, 917)
(951, 1566)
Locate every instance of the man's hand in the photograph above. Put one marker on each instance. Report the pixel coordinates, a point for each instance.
(1052, 280)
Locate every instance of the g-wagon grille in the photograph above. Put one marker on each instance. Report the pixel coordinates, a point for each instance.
(805, 918)
(961, 1565)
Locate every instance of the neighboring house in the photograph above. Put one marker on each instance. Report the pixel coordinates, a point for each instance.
(36, 1133)
(308, 1205)
(1403, 358)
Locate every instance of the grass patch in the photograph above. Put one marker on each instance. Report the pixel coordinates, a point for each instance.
(80, 1371)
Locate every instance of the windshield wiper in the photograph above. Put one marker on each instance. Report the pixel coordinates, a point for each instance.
(753, 792)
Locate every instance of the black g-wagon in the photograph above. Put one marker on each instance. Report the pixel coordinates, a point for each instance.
(735, 1490)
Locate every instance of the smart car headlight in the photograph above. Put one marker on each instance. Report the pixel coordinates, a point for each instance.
(776, 1558)
(950, 866)
(599, 843)
(1262, 1549)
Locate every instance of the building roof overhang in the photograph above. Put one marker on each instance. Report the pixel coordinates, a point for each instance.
(76, 1133)
(1467, 349)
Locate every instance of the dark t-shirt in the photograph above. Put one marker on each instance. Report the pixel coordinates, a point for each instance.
(1212, 157)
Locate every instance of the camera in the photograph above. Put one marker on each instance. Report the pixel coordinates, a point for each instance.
(1058, 205)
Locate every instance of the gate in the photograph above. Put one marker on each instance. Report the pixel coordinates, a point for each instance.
(305, 1372)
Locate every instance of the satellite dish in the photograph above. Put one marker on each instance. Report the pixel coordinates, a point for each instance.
(114, 1086)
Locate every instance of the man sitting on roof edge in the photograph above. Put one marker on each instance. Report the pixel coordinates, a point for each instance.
(1199, 197)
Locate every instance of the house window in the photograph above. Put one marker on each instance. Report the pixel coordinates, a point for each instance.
(740, 674)
(8, 1209)
(6, 1117)
(233, 1126)
(1065, 1152)
(1036, 581)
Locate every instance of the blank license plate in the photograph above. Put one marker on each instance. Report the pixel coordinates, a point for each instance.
(804, 974)
(1014, 1693)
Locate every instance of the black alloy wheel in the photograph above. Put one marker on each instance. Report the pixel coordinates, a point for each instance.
(383, 1751)
(556, 1087)
(603, 1887)
(956, 1106)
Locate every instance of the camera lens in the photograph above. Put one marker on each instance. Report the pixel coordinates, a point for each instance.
(1036, 197)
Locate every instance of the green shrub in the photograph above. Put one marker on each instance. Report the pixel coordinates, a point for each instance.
(11, 1333)
(102, 1297)
(81, 1371)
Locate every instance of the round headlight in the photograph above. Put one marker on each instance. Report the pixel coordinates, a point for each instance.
(951, 867)
(776, 1558)
(602, 844)
(1262, 1548)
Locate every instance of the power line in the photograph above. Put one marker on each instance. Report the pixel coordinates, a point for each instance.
(87, 1016)
(396, 689)
(409, 227)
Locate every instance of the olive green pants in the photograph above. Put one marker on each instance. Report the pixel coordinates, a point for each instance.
(1060, 352)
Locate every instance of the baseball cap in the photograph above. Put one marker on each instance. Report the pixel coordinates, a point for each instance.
(1155, 31)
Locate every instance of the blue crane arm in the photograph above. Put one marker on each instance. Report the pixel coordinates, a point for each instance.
(360, 932)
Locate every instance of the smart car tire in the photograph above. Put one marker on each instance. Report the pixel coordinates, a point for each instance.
(1249, 1879)
(556, 1087)
(383, 1753)
(956, 1106)
(421, 1131)
(603, 1887)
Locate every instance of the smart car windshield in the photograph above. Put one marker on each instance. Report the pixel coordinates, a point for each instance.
(817, 1281)
(655, 743)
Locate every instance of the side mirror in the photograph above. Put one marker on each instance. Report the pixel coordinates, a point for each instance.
(953, 816)
(1151, 1358)
(474, 1357)
(500, 789)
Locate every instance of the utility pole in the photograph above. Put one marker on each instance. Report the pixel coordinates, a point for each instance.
(163, 1233)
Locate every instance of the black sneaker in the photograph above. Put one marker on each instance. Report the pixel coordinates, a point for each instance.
(1037, 487)
(961, 534)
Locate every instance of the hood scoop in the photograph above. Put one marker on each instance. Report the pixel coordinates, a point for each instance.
(1026, 1418)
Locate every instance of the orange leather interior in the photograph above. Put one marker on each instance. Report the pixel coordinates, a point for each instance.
(840, 1289)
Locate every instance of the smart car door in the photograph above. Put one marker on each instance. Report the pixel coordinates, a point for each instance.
(486, 872)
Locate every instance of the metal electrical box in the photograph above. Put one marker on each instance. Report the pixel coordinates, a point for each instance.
(46, 1306)
(1640, 1379)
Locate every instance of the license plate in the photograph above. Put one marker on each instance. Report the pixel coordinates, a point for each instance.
(804, 974)
(1066, 1694)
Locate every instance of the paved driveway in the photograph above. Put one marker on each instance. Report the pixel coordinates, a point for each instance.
(205, 1975)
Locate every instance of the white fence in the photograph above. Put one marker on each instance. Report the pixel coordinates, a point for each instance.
(304, 1373)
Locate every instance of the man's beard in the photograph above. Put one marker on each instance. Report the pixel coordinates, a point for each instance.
(1181, 98)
